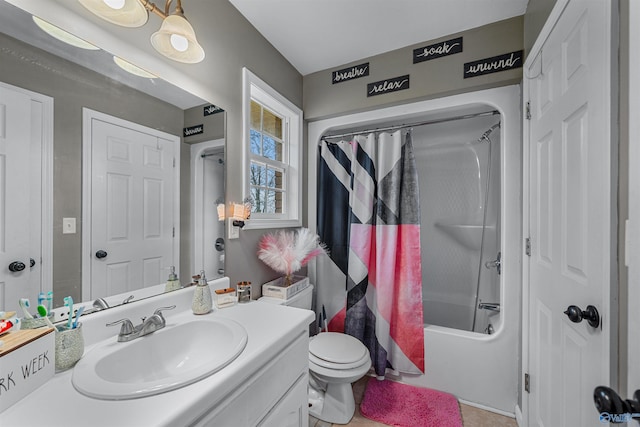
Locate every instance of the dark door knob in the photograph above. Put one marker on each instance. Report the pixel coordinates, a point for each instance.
(590, 314)
(101, 254)
(32, 262)
(613, 408)
(16, 266)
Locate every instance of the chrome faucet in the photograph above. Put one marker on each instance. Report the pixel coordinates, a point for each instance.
(128, 332)
(491, 306)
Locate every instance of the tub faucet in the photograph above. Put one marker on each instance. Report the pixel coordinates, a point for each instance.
(491, 306)
(128, 332)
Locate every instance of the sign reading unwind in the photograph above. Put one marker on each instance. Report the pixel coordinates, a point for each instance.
(494, 64)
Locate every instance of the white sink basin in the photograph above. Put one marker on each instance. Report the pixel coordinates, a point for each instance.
(172, 357)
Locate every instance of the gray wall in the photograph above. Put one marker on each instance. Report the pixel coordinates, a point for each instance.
(430, 79)
(537, 13)
(73, 88)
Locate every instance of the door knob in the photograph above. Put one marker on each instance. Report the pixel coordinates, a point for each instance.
(16, 266)
(590, 314)
(613, 408)
(32, 262)
(101, 254)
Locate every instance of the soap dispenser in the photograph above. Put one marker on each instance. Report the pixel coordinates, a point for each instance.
(202, 302)
(172, 283)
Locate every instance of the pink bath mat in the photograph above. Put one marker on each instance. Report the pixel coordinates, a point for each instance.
(403, 405)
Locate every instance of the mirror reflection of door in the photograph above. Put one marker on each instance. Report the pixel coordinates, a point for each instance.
(130, 211)
(26, 120)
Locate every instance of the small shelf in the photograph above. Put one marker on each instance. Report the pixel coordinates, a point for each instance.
(467, 235)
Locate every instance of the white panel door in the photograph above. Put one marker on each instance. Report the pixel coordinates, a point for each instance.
(570, 214)
(132, 208)
(21, 136)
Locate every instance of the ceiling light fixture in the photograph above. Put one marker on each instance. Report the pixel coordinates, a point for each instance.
(176, 38)
(62, 35)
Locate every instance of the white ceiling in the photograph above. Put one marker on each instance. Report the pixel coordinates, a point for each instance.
(316, 35)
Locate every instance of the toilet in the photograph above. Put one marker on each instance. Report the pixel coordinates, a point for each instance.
(335, 361)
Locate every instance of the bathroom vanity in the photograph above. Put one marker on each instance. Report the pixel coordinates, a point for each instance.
(265, 385)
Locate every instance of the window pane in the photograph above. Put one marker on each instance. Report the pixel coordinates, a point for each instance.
(274, 178)
(274, 202)
(272, 124)
(259, 197)
(255, 142)
(272, 148)
(258, 174)
(256, 111)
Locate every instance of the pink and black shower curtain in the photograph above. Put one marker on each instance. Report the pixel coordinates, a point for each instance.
(370, 286)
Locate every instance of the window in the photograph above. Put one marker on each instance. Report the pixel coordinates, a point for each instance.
(273, 147)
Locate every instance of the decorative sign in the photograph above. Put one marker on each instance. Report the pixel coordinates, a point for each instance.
(193, 130)
(212, 109)
(351, 73)
(388, 85)
(494, 64)
(437, 50)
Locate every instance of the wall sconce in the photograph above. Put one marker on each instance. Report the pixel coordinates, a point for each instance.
(176, 38)
(238, 214)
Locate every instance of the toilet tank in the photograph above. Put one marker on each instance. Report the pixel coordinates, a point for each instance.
(302, 299)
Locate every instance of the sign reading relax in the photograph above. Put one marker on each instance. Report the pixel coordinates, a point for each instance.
(494, 64)
(388, 85)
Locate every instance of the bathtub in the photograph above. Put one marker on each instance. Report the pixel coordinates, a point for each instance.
(479, 369)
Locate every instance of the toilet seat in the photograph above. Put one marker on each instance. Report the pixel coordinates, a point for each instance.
(334, 350)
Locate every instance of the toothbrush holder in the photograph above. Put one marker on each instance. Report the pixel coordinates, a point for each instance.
(69, 346)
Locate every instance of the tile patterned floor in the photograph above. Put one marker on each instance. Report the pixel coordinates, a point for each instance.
(471, 416)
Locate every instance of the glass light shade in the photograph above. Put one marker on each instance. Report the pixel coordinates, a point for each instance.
(131, 14)
(175, 25)
(62, 35)
(133, 69)
(221, 212)
(237, 211)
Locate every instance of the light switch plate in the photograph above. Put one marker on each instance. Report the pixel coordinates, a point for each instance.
(68, 225)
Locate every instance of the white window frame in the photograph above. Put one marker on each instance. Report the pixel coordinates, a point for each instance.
(256, 89)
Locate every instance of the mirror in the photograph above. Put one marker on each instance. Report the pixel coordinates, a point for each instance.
(79, 79)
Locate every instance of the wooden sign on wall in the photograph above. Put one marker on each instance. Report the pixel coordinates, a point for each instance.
(388, 85)
(437, 50)
(494, 64)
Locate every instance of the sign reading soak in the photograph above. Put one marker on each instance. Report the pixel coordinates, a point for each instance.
(350, 73)
(388, 85)
(212, 109)
(437, 50)
(193, 130)
(494, 64)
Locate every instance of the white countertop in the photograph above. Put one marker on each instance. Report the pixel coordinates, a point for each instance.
(57, 403)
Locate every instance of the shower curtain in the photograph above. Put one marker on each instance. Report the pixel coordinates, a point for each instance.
(370, 286)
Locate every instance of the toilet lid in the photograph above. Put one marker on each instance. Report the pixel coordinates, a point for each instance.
(337, 348)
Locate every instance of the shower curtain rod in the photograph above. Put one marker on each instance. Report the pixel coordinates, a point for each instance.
(410, 125)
